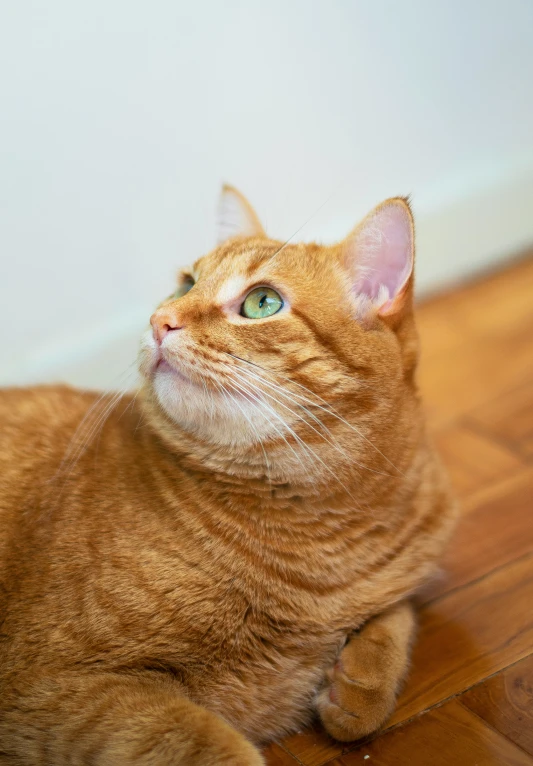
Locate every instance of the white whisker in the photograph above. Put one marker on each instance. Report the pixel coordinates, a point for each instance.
(96, 424)
(331, 441)
(328, 408)
(88, 415)
(254, 429)
(284, 393)
(304, 446)
(249, 392)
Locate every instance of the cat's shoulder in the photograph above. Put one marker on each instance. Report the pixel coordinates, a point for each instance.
(36, 407)
(16, 401)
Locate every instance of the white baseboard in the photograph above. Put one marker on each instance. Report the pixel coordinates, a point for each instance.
(470, 228)
(465, 228)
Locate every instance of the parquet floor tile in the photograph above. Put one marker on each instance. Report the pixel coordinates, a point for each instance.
(505, 702)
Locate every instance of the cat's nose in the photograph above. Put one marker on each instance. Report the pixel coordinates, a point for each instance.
(164, 321)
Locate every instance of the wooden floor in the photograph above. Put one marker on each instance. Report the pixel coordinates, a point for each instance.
(469, 697)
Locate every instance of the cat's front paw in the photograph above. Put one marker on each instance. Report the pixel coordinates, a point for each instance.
(355, 703)
(360, 690)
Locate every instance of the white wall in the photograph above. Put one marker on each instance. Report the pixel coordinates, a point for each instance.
(120, 118)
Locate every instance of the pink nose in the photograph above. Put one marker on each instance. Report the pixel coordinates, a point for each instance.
(164, 321)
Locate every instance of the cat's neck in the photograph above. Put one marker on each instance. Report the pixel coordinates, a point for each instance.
(293, 525)
(274, 474)
(293, 534)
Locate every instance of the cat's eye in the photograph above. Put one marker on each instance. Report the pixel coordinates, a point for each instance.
(186, 284)
(261, 302)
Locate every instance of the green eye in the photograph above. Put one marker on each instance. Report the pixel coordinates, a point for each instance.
(261, 302)
(184, 288)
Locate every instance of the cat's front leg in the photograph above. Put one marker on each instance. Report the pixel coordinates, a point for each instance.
(111, 719)
(361, 688)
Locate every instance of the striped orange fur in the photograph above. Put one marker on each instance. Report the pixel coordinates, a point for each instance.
(232, 550)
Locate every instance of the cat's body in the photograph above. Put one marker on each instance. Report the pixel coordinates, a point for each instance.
(215, 572)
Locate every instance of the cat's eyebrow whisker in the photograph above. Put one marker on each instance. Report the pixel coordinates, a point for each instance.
(328, 407)
(319, 208)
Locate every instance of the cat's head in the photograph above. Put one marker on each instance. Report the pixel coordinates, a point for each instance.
(262, 341)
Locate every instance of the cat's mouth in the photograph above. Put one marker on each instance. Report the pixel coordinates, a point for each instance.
(156, 361)
(166, 367)
(174, 374)
(163, 366)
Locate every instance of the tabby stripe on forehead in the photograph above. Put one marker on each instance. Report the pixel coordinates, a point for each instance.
(328, 342)
(257, 260)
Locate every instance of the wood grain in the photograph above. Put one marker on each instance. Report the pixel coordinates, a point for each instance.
(508, 419)
(475, 375)
(313, 747)
(495, 531)
(474, 460)
(505, 701)
(276, 756)
(468, 635)
(464, 637)
(449, 735)
(496, 306)
(476, 343)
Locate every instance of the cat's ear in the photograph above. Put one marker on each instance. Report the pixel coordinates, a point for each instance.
(236, 217)
(379, 254)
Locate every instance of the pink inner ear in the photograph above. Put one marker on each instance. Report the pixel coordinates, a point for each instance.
(384, 253)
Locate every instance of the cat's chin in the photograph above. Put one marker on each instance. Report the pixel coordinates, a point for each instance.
(164, 367)
(213, 417)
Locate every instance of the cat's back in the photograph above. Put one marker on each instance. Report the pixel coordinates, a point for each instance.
(41, 412)
(36, 427)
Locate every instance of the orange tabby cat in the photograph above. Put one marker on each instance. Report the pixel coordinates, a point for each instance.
(234, 551)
